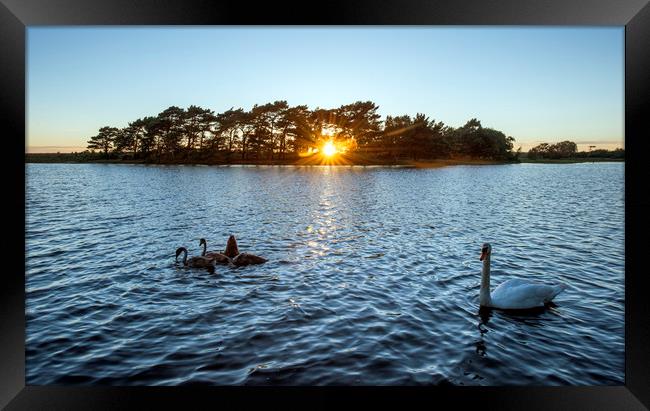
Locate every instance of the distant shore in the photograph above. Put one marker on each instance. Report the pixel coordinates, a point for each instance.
(572, 160)
(342, 160)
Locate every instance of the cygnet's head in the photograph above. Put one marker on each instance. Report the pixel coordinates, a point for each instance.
(180, 250)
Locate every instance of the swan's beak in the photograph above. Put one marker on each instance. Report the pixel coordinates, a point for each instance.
(483, 254)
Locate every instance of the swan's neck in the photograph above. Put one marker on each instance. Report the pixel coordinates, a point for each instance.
(184, 257)
(485, 299)
(205, 247)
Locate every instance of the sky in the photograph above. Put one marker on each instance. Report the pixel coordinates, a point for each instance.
(544, 84)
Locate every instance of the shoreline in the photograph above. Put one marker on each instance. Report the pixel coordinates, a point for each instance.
(572, 160)
(345, 161)
(54, 158)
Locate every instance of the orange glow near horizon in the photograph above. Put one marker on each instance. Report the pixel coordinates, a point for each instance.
(327, 149)
(327, 153)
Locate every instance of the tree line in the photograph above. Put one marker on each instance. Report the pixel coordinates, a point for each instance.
(277, 131)
(569, 149)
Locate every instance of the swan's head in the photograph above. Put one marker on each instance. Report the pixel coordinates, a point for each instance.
(486, 250)
(180, 250)
(201, 242)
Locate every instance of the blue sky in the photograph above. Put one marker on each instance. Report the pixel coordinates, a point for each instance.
(535, 84)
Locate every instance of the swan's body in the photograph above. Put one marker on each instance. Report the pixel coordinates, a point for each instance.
(521, 294)
(246, 259)
(194, 262)
(515, 294)
(217, 257)
(240, 259)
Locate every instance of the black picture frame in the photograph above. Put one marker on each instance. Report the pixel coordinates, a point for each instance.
(16, 15)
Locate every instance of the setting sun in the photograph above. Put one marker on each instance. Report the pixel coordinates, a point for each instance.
(329, 149)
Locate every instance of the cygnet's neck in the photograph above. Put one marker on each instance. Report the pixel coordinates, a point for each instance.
(484, 298)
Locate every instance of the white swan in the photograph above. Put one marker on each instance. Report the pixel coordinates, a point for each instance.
(514, 294)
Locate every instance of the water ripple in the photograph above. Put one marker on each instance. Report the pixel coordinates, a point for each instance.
(373, 275)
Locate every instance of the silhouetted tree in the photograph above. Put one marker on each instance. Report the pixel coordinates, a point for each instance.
(103, 140)
(474, 140)
(229, 127)
(246, 124)
(359, 121)
(299, 125)
(124, 140)
(275, 129)
(169, 127)
(563, 149)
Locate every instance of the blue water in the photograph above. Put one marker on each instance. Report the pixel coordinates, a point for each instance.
(373, 275)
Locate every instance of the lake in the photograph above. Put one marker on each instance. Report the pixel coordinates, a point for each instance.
(373, 275)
